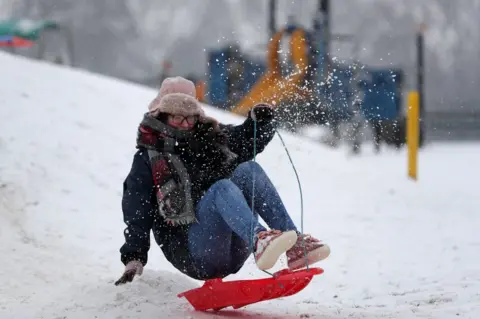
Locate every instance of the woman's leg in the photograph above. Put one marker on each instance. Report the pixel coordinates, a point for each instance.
(267, 201)
(240, 253)
(222, 213)
(269, 206)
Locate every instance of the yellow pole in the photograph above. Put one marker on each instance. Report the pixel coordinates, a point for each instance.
(413, 133)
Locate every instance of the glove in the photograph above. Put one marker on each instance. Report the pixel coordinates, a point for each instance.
(262, 112)
(132, 268)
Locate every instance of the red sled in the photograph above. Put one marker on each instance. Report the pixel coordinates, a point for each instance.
(216, 294)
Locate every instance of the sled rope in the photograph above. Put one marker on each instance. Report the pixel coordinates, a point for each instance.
(252, 230)
(299, 186)
(253, 184)
(301, 197)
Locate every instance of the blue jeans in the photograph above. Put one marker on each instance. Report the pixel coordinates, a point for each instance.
(222, 240)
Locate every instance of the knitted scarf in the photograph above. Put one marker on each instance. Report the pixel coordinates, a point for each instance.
(162, 142)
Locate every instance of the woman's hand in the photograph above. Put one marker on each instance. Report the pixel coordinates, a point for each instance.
(133, 268)
(262, 112)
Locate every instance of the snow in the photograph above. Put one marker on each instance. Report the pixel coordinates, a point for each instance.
(400, 249)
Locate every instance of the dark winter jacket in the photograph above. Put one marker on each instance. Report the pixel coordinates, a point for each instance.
(140, 207)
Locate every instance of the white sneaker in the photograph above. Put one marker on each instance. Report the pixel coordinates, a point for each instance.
(271, 245)
(307, 250)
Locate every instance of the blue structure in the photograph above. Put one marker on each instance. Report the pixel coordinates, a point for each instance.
(382, 94)
(340, 92)
(217, 80)
(222, 68)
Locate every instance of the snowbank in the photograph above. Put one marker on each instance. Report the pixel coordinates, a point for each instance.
(399, 249)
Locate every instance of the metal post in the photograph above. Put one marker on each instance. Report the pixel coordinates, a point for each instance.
(271, 21)
(325, 10)
(322, 32)
(421, 81)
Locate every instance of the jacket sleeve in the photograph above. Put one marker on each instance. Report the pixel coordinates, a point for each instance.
(240, 137)
(138, 205)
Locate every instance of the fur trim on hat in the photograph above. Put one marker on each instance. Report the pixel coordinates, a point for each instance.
(177, 104)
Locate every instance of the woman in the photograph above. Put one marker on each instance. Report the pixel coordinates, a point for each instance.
(191, 183)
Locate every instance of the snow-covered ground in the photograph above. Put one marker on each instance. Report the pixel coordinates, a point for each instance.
(400, 249)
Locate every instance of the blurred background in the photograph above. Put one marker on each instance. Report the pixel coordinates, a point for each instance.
(352, 64)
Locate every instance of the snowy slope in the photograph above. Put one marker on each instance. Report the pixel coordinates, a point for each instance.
(399, 249)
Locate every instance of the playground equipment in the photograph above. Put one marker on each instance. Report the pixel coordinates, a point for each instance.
(231, 75)
(303, 96)
(32, 34)
(272, 87)
(236, 81)
(318, 88)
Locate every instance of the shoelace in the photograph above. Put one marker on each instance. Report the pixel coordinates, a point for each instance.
(264, 234)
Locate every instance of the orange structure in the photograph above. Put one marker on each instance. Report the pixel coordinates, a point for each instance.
(272, 87)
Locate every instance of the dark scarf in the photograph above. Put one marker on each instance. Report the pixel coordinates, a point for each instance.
(166, 144)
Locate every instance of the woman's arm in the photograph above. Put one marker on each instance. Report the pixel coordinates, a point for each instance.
(138, 205)
(240, 137)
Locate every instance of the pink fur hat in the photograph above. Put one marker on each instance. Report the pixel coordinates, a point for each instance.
(181, 98)
(177, 96)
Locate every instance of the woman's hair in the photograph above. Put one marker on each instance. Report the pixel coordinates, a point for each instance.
(162, 117)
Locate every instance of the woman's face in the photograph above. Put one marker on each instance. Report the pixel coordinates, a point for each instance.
(183, 123)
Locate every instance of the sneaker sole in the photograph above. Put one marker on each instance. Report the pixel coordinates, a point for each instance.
(275, 249)
(315, 256)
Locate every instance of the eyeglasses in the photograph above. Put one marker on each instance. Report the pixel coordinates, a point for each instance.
(178, 119)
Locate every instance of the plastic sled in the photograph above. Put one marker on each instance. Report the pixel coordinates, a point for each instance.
(217, 294)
